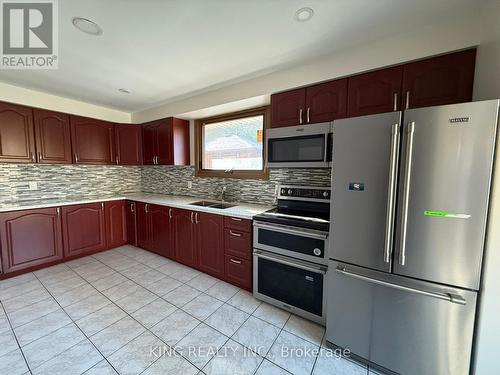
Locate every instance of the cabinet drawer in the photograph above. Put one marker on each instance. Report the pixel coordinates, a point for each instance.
(238, 223)
(237, 243)
(238, 272)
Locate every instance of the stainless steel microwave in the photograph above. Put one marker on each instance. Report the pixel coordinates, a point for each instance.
(303, 146)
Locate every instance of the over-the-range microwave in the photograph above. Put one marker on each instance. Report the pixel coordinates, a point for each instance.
(303, 146)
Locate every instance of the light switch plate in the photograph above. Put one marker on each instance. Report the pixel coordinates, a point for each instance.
(190, 184)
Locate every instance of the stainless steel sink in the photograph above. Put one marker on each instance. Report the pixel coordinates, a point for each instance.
(212, 204)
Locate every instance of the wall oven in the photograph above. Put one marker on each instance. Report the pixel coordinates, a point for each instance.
(300, 146)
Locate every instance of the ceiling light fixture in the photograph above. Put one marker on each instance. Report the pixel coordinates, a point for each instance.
(86, 25)
(303, 14)
(124, 91)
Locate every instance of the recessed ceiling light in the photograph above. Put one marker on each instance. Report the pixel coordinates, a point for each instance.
(303, 14)
(124, 91)
(86, 25)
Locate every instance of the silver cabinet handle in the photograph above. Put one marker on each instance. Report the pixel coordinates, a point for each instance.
(392, 190)
(192, 213)
(40, 156)
(407, 106)
(196, 218)
(307, 114)
(117, 160)
(170, 213)
(33, 159)
(58, 210)
(102, 205)
(234, 261)
(450, 297)
(395, 101)
(154, 158)
(300, 116)
(132, 208)
(236, 219)
(234, 233)
(146, 208)
(76, 158)
(410, 130)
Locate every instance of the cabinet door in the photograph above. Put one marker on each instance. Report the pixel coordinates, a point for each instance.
(131, 223)
(84, 229)
(160, 231)
(165, 142)
(184, 243)
(149, 144)
(210, 243)
(53, 137)
(92, 140)
(440, 80)
(128, 140)
(375, 92)
(288, 108)
(17, 137)
(116, 223)
(30, 238)
(326, 101)
(143, 225)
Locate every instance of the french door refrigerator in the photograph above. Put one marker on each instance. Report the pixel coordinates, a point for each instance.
(410, 196)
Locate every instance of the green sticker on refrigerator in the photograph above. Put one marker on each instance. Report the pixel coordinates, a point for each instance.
(446, 214)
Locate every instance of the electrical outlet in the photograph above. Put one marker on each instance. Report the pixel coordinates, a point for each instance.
(190, 184)
(33, 185)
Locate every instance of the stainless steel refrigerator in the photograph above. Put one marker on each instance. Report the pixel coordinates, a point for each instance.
(410, 195)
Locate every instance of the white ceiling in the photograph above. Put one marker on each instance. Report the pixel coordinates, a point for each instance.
(166, 50)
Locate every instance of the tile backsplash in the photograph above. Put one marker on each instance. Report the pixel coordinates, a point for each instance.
(65, 181)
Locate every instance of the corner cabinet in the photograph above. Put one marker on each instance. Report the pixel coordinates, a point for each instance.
(166, 142)
(92, 140)
(17, 136)
(53, 137)
(30, 238)
(84, 229)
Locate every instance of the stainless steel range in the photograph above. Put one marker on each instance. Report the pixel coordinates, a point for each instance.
(291, 251)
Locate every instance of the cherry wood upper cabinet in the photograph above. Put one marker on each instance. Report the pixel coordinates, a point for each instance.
(92, 140)
(183, 232)
(17, 137)
(128, 144)
(439, 80)
(131, 218)
(53, 137)
(166, 142)
(30, 238)
(326, 101)
(375, 92)
(288, 108)
(210, 243)
(116, 223)
(84, 228)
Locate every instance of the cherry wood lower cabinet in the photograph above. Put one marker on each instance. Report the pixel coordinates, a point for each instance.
(116, 223)
(238, 262)
(183, 234)
(238, 272)
(84, 229)
(154, 223)
(210, 243)
(30, 238)
(131, 219)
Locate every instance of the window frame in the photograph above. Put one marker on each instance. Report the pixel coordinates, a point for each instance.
(237, 173)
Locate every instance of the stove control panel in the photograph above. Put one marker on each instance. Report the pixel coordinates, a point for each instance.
(304, 193)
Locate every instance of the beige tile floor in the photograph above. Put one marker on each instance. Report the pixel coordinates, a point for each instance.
(129, 311)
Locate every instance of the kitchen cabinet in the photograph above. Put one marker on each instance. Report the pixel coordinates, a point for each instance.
(131, 219)
(143, 225)
(238, 272)
(439, 80)
(238, 260)
(92, 140)
(160, 232)
(375, 92)
(53, 137)
(17, 136)
(183, 234)
(166, 142)
(287, 108)
(30, 238)
(128, 144)
(116, 223)
(84, 229)
(210, 243)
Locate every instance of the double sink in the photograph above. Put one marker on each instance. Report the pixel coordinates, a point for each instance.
(211, 204)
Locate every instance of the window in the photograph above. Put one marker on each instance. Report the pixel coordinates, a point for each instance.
(232, 145)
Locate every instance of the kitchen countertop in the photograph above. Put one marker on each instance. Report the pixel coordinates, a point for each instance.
(241, 210)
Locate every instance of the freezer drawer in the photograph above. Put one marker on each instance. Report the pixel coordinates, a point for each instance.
(407, 326)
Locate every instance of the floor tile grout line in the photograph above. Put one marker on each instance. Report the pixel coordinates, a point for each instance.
(15, 337)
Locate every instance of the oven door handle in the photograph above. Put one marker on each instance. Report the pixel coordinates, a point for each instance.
(283, 229)
(319, 270)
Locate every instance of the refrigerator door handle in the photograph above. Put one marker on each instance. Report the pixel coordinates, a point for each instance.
(450, 297)
(392, 189)
(410, 130)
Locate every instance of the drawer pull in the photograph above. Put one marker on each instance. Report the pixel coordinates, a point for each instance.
(234, 233)
(236, 219)
(235, 261)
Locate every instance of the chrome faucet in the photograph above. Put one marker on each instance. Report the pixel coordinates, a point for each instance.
(223, 193)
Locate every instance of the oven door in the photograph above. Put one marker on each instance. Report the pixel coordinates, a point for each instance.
(305, 244)
(296, 286)
(299, 146)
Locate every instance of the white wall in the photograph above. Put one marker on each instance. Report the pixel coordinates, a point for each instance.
(38, 99)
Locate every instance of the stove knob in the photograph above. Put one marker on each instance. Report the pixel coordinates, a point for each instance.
(283, 191)
(325, 194)
(317, 252)
(289, 191)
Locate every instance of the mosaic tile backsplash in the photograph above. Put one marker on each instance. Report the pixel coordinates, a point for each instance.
(67, 181)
